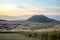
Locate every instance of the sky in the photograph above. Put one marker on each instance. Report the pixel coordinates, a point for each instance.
(29, 7)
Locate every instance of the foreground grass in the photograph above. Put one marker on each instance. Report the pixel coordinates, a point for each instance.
(28, 35)
(14, 36)
(48, 33)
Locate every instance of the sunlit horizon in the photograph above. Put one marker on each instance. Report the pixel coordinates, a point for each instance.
(29, 7)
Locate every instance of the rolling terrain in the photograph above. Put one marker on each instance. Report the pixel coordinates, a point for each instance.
(37, 27)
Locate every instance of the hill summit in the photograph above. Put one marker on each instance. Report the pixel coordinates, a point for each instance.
(41, 18)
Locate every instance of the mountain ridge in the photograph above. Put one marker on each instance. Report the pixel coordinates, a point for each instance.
(41, 18)
(25, 17)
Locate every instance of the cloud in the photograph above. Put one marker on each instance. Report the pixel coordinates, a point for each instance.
(25, 6)
(54, 0)
(49, 10)
(29, 0)
(5, 1)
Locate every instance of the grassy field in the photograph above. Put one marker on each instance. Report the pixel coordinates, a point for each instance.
(44, 32)
(14, 36)
(27, 35)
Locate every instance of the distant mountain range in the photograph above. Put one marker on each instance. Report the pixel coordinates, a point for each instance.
(14, 18)
(41, 18)
(25, 17)
(2, 20)
(56, 17)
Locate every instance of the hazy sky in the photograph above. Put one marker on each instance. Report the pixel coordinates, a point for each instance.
(29, 7)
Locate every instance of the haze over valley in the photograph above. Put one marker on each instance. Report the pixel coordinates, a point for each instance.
(25, 17)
